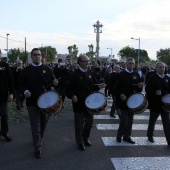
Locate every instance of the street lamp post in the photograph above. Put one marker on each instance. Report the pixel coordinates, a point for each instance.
(111, 52)
(138, 49)
(7, 46)
(97, 30)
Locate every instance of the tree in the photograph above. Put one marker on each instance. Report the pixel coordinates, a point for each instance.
(15, 54)
(51, 53)
(73, 52)
(164, 55)
(91, 54)
(131, 52)
(126, 52)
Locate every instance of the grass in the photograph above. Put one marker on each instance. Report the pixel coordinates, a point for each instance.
(17, 115)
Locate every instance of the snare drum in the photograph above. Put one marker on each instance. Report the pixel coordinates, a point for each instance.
(137, 103)
(166, 102)
(50, 103)
(96, 103)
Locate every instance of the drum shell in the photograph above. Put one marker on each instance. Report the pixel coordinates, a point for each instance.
(166, 106)
(53, 109)
(141, 108)
(100, 109)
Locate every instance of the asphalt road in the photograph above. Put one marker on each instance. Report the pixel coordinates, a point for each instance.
(59, 150)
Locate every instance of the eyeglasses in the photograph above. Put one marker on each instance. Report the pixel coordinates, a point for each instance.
(35, 55)
(87, 61)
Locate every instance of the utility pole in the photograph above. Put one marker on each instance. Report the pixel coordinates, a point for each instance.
(7, 46)
(97, 30)
(25, 48)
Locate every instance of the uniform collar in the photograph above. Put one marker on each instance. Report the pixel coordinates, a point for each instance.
(35, 65)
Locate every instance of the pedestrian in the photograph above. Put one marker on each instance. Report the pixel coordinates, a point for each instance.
(35, 79)
(16, 73)
(81, 84)
(113, 80)
(157, 86)
(6, 95)
(128, 84)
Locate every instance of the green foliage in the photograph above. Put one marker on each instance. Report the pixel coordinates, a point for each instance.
(164, 55)
(15, 53)
(91, 54)
(131, 52)
(73, 52)
(51, 52)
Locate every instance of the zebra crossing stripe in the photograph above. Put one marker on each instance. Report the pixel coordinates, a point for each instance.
(134, 126)
(136, 117)
(140, 141)
(109, 109)
(141, 163)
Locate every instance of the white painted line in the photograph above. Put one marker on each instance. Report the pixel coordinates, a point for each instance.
(109, 109)
(141, 163)
(142, 141)
(136, 117)
(134, 126)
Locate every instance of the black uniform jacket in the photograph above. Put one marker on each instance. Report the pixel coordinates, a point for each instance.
(81, 84)
(112, 83)
(156, 83)
(36, 80)
(127, 85)
(6, 81)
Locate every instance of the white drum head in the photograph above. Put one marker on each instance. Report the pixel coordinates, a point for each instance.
(47, 99)
(95, 100)
(166, 99)
(135, 100)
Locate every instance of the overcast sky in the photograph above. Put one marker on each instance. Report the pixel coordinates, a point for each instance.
(61, 23)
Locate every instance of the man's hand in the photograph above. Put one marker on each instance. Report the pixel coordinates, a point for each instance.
(74, 98)
(123, 97)
(10, 97)
(140, 85)
(27, 94)
(55, 82)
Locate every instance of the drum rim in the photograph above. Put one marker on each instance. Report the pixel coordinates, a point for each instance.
(131, 96)
(164, 97)
(44, 93)
(91, 94)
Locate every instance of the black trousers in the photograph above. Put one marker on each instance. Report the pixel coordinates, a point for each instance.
(83, 123)
(19, 99)
(165, 121)
(38, 122)
(125, 124)
(61, 92)
(4, 118)
(113, 108)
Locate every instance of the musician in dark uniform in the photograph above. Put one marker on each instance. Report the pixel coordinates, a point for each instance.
(6, 94)
(35, 80)
(128, 84)
(157, 86)
(113, 80)
(81, 84)
(16, 73)
(62, 75)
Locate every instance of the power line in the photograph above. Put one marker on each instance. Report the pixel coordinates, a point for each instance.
(11, 39)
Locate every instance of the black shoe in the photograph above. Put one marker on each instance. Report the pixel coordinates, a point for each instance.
(7, 138)
(150, 139)
(168, 143)
(113, 116)
(81, 147)
(118, 139)
(87, 142)
(38, 154)
(129, 141)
